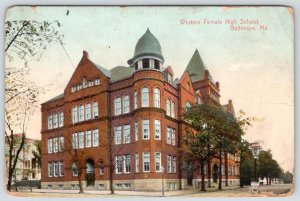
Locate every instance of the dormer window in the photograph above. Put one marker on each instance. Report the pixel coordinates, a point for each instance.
(170, 78)
(146, 63)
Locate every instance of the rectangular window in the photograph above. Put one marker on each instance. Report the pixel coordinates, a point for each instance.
(173, 136)
(118, 106)
(97, 81)
(61, 144)
(55, 169)
(126, 134)
(137, 163)
(55, 143)
(95, 110)
(79, 86)
(88, 114)
(168, 135)
(126, 107)
(146, 63)
(81, 113)
(84, 83)
(73, 89)
(50, 169)
(135, 100)
(61, 119)
(146, 130)
(81, 140)
(50, 146)
(91, 83)
(88, 138)
(55, 120)
(136, 130)
(127, 165)
(157, 161)
(118, 137)
(61, 169)
(50, 122)
(174, 164)
(74, 140)
(157, 129)
(119, 164)
(74, 115)
(95, 138)
(146, 161)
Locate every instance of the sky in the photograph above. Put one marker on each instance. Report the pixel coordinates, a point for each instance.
(255, 68)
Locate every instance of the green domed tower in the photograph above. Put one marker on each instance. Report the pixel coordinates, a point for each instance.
(147, 54)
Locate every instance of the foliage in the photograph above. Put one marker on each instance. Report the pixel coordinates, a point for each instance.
(287, 177)
(215, 132)
(24, 41)
(246, 164)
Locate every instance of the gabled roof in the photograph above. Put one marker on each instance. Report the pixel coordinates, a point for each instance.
(196, 68)
(120, 73)
(106, 72)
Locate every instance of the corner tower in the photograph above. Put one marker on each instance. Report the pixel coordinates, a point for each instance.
(147, 54)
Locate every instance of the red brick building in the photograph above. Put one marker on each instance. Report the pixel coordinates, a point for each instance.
(139, 107)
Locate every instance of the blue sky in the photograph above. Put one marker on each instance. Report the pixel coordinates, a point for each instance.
(255, 68)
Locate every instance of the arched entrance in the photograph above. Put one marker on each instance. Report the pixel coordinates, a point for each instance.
(90, 172)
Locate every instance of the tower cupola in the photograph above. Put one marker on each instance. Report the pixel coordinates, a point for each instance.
(147, 54)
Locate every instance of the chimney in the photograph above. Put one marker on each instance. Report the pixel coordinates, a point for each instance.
(218, 85)
(206, 74)
(85, 54)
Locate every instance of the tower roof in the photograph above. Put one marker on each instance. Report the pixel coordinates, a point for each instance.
(196, 67)
(147, 45)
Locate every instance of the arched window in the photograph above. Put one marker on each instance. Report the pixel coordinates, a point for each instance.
(145, 97)
(126, 104)
(172, 109)
(187, 105)
(118, 106)
(74, 170)
(157, 97)
(168, 107)
(101, 168)
(188, 86)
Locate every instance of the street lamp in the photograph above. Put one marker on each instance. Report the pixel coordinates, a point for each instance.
(162, 180)
(255, 152)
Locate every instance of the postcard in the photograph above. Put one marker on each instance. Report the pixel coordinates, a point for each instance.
(115, 101)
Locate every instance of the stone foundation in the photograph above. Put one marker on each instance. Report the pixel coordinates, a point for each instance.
(135, 185)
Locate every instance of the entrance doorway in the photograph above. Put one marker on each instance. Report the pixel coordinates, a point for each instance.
(90, 172)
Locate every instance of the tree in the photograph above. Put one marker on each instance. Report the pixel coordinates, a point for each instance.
(26, 41)
(246, 164)
(268, 167)
(199, 142)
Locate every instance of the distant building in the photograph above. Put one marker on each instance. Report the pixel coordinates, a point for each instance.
(141, 107)
(27, 167)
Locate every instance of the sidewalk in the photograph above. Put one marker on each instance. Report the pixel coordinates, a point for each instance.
(135, 193)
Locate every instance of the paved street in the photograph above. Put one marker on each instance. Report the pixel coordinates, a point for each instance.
(265, 191)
